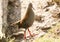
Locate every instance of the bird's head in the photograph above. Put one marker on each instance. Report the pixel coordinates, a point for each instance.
(30, 5)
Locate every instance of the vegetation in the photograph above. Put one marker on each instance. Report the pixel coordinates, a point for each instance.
(53, 35)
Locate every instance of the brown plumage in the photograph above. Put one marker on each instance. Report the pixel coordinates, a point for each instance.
(28, 19)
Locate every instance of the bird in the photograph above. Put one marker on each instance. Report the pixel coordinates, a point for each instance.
(28, 20)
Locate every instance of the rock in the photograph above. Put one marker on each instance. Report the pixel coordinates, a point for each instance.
(14, 12)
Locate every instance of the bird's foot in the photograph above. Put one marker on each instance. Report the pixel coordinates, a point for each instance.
(30, 36)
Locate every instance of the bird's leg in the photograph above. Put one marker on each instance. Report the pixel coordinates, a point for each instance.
(25, 34)
(31, 34)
